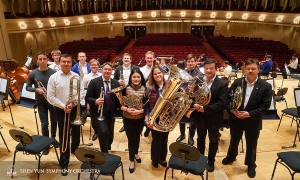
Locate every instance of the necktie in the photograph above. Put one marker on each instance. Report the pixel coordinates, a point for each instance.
(107, 96)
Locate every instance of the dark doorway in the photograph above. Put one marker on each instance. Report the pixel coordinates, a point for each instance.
(196, 31)
(130, 30)
(208, 30)
(140, 31)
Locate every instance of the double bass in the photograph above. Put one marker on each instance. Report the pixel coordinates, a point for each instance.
(13, 87)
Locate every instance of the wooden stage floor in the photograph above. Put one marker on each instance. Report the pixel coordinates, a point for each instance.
(270, 143)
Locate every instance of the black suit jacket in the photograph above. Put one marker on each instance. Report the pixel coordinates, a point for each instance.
(119, 70)
(258, 104)
(213, 112)
(93, 93)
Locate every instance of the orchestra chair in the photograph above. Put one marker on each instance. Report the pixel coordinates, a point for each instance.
(290, 160)
(233, 74)
(31, 145)
(188, 159)
(293, 113)
(99, 163)
(279, 96)
(3, 139)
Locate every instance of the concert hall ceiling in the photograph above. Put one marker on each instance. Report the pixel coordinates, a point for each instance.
(46, 14)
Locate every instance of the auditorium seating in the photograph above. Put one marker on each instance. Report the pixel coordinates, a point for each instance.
(239, 49)
(103, 48)
(177, 44)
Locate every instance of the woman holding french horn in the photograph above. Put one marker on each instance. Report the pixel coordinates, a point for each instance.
(133, 113)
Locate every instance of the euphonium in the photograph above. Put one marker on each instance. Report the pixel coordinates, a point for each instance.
(40, 85)
(202, 96)
(236, 97)
(100, 107)
(171, 105)
(77, 120)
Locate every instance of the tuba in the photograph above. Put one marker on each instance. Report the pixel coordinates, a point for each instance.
(77, 121)
(171, 105)
(236, 97)
(202, 96)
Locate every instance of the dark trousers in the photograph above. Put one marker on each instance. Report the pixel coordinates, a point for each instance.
(43, 109)
(213, 131)
(106, 132)
(192, 129)
(94, 124)
(159, 146)
(251, 136)
(75, 135)
(133, 130)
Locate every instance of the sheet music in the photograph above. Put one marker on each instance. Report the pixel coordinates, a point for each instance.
(29, 59)
(271, 81)
(27, 94)
(297, 97)
(3, 85)
(287, 69)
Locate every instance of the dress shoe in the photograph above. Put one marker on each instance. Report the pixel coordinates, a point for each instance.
(227, 160)
(146, 133)
(191, 141)
(95, 136)
(180, 138)
(131, 170)
(154, 165)
(251, 171)
(138, 160)
(122, 129)
(211, 168)
(55, 143)
(64, 171)
(163, 163)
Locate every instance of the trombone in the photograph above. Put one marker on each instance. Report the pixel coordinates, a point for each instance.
(100, 107)
(77, 121)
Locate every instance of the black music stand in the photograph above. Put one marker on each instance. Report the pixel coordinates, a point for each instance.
(88, 144)
(92, 157)
(36, 121)
(4, 88)
(3, 139)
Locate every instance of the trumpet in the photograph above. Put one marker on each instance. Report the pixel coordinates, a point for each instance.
(67, 121)
(100, 107)
(40, 85)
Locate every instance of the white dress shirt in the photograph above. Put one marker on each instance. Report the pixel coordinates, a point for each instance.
(294, 64)
(86, 81)
(146, 71)
(227, 71)
(55, 66)
(58, 89)
(249, 90)
(126, 73)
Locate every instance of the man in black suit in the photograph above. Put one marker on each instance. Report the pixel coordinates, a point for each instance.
(123, 71)
(248, 117)
(210, 117)
(109, 102)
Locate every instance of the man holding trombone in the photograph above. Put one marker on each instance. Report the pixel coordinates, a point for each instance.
(103, 106)
(39, 77)
(64, 93)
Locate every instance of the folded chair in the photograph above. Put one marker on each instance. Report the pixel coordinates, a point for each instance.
(188, 159)
(31, 145)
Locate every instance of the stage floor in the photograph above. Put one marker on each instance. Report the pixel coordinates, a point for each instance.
(269, 145)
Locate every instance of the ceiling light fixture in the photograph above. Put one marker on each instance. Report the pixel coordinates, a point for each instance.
(213, 15)
(153, 14)
(52, 23)
(297, 20)
(124, 16)
(228, 15)
(262, 17)
(96, 18)
(39, 23)
(67, 22)
(168, 13)
(183, 14)
(279, 18)
(110, 17)
(22, 25)
(139, 15)
(81, 20)
(245, 16)
(198, 14)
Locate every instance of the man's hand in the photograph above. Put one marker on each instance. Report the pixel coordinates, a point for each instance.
(240, 114)
(40, 91)
(198, 108)
(99, 101)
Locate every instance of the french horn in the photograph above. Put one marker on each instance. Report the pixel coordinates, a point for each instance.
(236, 98)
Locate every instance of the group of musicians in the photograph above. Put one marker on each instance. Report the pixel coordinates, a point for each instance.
(147, 83)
